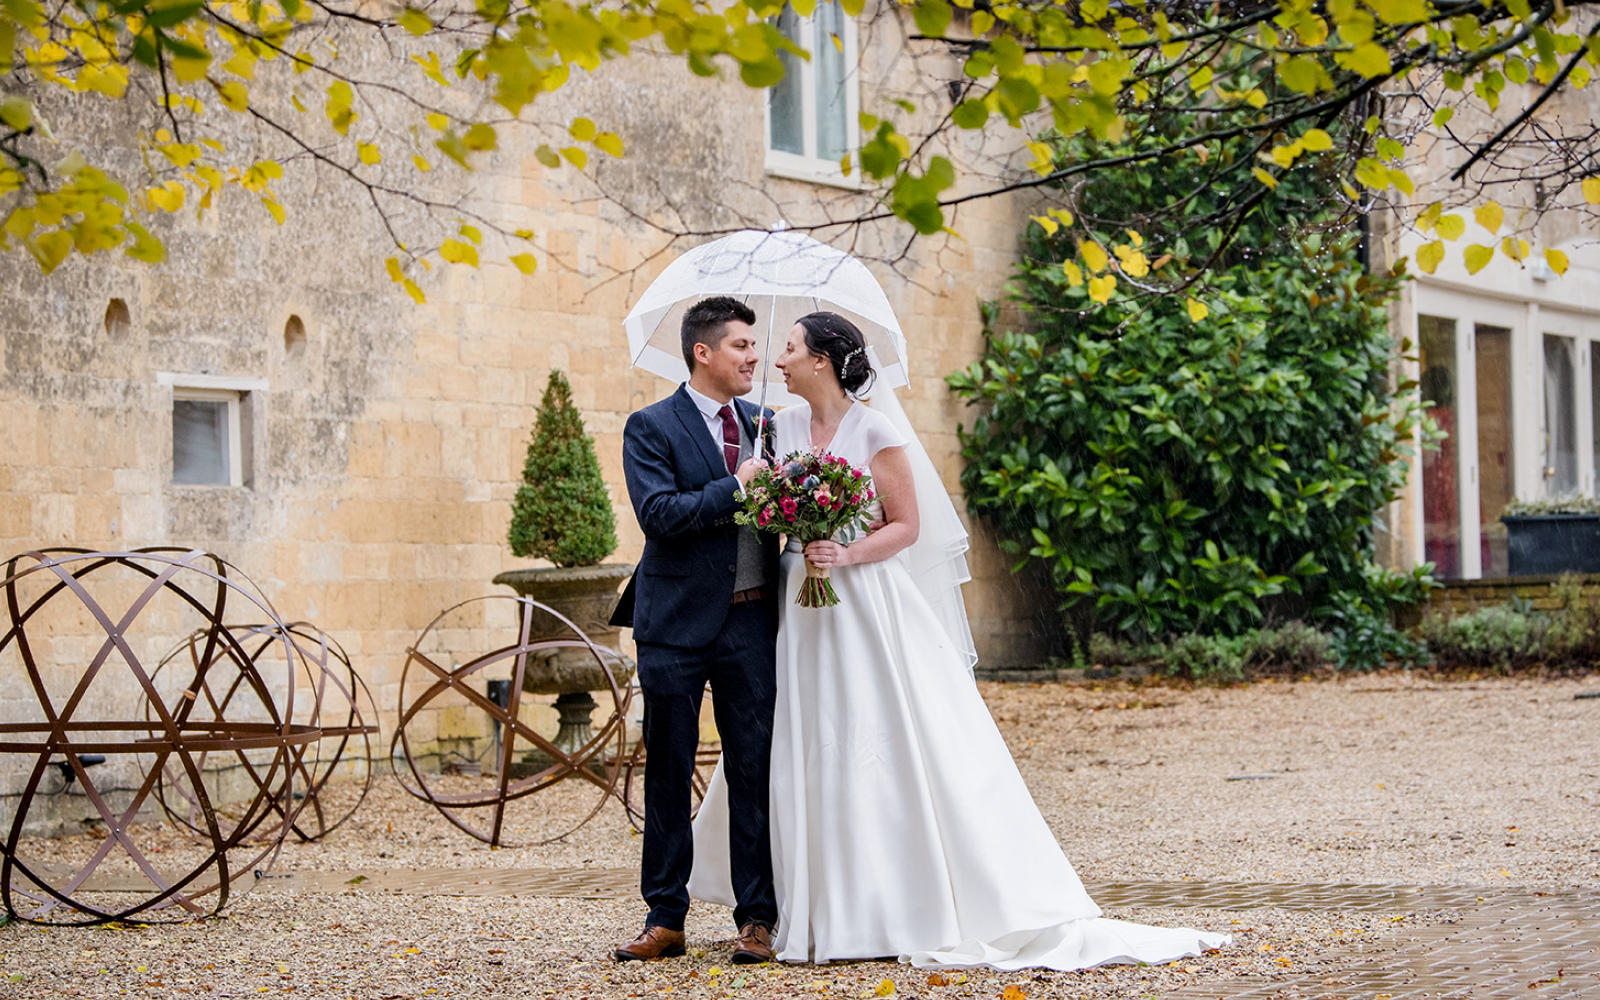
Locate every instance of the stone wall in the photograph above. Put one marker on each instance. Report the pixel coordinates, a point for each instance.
(1458, 597)
(384, 438)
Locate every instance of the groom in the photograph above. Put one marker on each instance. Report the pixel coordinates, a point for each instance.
(703, 607)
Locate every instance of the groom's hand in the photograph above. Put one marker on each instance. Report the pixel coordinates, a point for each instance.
(748, 470)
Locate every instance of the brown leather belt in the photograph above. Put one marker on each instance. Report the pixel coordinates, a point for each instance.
(753, 594)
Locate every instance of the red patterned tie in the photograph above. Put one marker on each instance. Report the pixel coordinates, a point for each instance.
(730, 438)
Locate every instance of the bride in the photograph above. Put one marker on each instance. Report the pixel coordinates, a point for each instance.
(900, 825)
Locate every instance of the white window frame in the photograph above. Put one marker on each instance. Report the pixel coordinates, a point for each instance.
(809, 166)
(215, 389)
(1468, 312)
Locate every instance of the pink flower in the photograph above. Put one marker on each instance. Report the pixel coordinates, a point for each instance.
(824, 497)
(855, 473)
(765, 517)
(855, 498)
(789, 505)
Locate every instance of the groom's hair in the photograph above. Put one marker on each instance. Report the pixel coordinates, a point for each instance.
(706, 323)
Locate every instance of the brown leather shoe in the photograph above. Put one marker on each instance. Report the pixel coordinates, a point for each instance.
(754, 944)
(652, 943)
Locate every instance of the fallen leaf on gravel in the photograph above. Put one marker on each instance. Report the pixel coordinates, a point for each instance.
(885, 988)
(1013, 993)
(937, 979)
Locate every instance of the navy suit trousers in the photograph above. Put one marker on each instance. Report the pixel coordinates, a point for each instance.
(740, 665)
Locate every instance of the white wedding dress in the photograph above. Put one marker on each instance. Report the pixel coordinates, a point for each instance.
(900, 824)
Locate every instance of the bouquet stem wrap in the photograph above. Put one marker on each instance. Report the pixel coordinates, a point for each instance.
(817, 590)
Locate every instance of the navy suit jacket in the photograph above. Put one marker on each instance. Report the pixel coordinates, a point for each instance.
(685, 499)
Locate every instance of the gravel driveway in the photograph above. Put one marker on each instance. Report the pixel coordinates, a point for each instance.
(1389, 778)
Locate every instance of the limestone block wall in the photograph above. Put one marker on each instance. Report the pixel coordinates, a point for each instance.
(384, 439)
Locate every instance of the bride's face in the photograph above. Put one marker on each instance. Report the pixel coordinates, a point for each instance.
(802, 370)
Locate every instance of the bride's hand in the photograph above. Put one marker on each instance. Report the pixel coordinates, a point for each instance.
(827, 554)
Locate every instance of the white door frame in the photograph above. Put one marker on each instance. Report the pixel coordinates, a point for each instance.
(1469, 311)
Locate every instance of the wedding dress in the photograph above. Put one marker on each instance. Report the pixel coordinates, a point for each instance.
(900, 824)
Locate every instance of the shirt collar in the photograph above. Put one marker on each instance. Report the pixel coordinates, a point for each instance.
(707, 406)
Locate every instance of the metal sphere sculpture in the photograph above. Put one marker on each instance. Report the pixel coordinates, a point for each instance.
(77, 630)
(329, 695)
(427, 686)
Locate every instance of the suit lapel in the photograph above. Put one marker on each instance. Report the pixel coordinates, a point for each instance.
(694, 424)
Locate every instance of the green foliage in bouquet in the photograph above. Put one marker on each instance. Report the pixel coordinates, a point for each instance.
(562, 511)
(1187, 466)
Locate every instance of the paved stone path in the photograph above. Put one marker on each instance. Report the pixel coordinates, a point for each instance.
(1492, 942)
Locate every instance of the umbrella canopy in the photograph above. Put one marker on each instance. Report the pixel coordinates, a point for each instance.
(782, 276)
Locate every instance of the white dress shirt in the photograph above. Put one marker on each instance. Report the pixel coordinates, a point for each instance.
(710, 409)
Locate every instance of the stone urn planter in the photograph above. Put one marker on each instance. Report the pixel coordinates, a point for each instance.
(585, 595)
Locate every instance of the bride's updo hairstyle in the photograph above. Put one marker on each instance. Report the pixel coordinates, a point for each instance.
(831, 336)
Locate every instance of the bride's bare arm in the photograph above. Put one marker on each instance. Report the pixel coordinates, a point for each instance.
(891, 477)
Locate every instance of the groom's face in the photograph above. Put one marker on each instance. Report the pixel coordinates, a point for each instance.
(729, 367)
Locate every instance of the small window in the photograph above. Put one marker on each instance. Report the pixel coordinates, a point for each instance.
(207, 437)
(812, 113)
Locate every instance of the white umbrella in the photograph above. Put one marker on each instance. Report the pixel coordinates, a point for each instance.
(782, 276)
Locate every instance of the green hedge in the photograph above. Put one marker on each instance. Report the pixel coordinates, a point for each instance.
(1204, 477)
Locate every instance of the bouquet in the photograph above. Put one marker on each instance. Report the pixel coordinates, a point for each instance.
(810, 498)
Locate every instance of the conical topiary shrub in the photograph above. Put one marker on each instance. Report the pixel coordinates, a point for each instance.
(562, 511)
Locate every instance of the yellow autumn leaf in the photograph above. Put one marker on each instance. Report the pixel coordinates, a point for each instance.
(1094, 255)
(1134, 263)
(1264, 177)
(1013, 992)
(457, 252)
(1316, 140)
(885, 989)
(1429, 255)
(168, 197)
(1043, 158)
(1073, 272)
(368, 152)
(582, 129)
(1557, 261)
(525, 262)
(1476, 257)
(611, 143)
(1049, 225)
(1514, 248)
(423, 166)
(1591, 190)
(1197, 310)
(1451, 226)
(1489, 216)
(1101, 288)
(234, 96)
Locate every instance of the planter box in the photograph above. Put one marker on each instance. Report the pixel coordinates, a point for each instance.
(1547, 544)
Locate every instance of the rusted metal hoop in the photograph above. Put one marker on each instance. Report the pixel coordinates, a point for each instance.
(338, 694)
(576, 765)
(38, 891)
